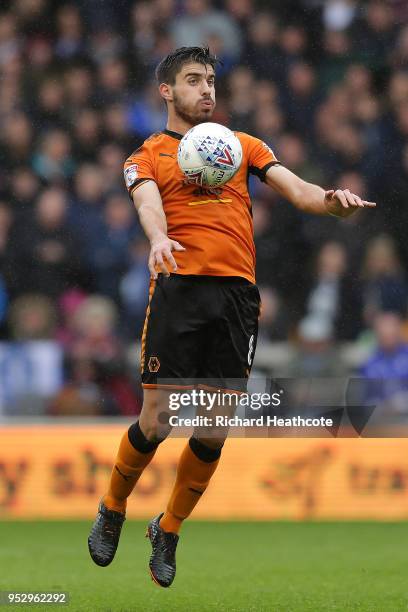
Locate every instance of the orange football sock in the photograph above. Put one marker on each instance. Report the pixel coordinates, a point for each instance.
(193, 476)
(128, 468)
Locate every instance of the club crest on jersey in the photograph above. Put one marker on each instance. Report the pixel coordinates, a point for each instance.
(153, 364)
(131, 174)
(225, 158)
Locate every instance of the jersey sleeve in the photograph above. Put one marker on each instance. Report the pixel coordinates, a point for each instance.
(138, 169)
(260, 156)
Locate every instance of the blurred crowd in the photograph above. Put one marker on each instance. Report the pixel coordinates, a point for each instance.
(324, 83)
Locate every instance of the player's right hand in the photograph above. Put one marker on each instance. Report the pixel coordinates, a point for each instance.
(159, 251)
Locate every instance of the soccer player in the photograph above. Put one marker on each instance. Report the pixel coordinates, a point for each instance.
(202, 317)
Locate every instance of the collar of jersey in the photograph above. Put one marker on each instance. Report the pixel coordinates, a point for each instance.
(173, 134)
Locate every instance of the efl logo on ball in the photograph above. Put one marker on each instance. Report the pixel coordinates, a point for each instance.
(209, 154)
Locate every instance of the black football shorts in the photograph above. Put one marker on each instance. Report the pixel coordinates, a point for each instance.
(200, 329)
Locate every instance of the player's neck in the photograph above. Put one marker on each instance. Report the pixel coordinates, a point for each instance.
(178, 125)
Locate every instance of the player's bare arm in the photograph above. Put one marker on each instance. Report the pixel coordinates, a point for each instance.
(312, 198)
(152, 218)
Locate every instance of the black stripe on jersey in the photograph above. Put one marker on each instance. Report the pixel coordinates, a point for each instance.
(261, 172)
(137, 182)
(173, 134)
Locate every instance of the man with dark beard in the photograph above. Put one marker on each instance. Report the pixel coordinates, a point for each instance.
(202, 318)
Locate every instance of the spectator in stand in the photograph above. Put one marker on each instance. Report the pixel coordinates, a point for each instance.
(79, 86)
(147, 114)
(269, 123)
(316, 355)
(395, 216)
(49, 109)
(44, 255)
(118, 128)
(353, 234)
(390, 359)
(200, 21)
(6, 223)
(33, 357)
(68, 304)
(87, 135)
(293, 153)
(86, 207)
(107, 251)
(400, 55)
(143, 35)
(242, 11)
(388, 369)
(339, 14)
(110, 158)
(281, 249)
(105, 44)
(97, 344)
(70, 40)
(301, 97)
(52, 161)
(332, 299)
(113, 81)
(17, 141)
(82, 394)
(273, 319)
(294, 45)
(337, 56)
(376, 33)
(241, 103)
(134, 287)
(384, 283)
(23, 188)
(10, 40)
(262, 47)
(95, 330)
(32, 317)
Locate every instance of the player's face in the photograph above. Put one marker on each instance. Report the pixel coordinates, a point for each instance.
(194, 93)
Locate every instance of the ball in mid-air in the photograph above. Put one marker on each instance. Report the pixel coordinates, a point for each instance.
(209, 154)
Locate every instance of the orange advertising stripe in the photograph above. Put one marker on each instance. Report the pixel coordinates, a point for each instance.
(152, 287)
(62, 471)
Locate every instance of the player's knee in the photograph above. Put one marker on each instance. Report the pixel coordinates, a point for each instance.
(155, 431)
(143, 438)
(207, 449)
(154, 418)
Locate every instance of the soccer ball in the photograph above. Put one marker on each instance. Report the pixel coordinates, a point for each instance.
(209, 154)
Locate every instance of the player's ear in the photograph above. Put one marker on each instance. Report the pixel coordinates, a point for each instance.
(166, 92)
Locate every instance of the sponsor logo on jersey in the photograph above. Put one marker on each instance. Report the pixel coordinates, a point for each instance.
(131, 174)
(200, 191)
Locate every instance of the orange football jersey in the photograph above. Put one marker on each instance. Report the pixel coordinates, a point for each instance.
(214, 225)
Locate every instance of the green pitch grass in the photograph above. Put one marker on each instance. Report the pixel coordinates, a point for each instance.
(248, 567)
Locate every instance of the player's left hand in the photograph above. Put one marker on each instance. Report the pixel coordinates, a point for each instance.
(343, 203)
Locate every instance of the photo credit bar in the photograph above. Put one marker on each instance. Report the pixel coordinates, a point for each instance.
(290, 407)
